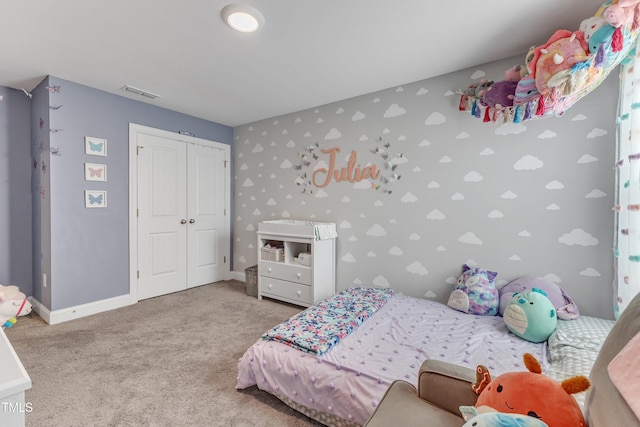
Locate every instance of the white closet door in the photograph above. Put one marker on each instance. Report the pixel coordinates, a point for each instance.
(162, 214)
(206, 209)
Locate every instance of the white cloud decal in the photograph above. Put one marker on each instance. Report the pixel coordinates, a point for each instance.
(247, 183)
(340, 110)
(345, 224)
(579, 117)
(596, 133)
(422, 91)
(258, 148)
(547, 134)
(587, 158)
(321, 194)
(414, 236)
(333, 134)
(510, 129)
(590, 272)
(524, 233)
(271, 202)
(441, 249)
(496, 214)
(348, 258)
(436, 215)
(396, 251)
(457, 197)
(376, 231)
(417, 268)
(445, 159)
(409, 198)
(394, 111)
(359, 115)
(515, 258)
(470, 238)
(596, 194)
(435, 119)
(509, 195)
(371, 254)
(478, 74)
(472, 176)
(487, 152)
(463, 135)
(430, 294)
(578, 236)
(433, 184)
(554, 185)
(381, 282)
(286, 164)
(291, 144)
(424, 143)
(528, 162)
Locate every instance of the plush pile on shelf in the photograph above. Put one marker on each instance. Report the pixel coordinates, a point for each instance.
(561, 71)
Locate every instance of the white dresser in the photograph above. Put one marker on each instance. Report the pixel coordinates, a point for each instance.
(296, 261)
(13, 383)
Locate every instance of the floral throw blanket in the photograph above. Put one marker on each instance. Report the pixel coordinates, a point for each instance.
(320, 327)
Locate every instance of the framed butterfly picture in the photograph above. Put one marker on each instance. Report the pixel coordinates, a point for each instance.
(95, 199)
(95, 172)
(95, 146)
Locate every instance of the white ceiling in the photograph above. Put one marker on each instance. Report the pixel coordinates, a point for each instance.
(309, 52)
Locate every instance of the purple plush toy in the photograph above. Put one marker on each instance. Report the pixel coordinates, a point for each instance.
(475, 292)
(500, 94)
(562, 301)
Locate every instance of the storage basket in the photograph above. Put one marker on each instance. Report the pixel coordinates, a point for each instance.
(251, 280)
(272, 254)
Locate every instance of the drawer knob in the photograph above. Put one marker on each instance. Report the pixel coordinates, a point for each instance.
(270, 286)
(269, 269)
(299, 293)
(299, 275)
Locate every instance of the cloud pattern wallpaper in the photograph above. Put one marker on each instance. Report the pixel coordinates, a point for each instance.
(418, 188)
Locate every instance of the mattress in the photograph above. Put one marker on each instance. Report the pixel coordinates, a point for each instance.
(347, 382)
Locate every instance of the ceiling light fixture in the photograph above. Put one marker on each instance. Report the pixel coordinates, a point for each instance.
(140, 92)
(243, 18)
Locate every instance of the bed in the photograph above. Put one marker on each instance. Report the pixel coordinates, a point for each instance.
(342, 383)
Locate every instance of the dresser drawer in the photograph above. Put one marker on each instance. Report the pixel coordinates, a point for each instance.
(281, 289)
(279, 270)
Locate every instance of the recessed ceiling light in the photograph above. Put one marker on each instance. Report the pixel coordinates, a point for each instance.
(242, 18)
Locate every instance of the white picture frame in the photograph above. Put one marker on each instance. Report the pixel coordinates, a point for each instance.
(95, 146)
(95, 172)
(95, 199)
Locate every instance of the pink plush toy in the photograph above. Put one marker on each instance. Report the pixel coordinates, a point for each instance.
(624, 12)
(13, 303)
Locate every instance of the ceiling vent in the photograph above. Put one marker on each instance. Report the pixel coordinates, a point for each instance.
(140, 92)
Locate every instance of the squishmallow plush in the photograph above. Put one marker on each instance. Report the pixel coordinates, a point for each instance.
(566, 308)
(530, 393)
(475, 292)
(531, 316)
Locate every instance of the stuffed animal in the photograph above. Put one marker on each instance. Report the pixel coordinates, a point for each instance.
(559, 55)
(531, 315)
(13, 303)
(566, 308)
(531, 393)
(501, 419)
(624, 12)
(475, 292)
(500, 94)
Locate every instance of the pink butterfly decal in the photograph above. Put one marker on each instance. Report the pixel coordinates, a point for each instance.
(95, 172)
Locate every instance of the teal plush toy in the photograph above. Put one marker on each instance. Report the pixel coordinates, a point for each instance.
(531, 315)
(499, 419)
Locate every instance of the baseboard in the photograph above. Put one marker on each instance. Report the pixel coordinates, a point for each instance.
(78, 311)
(239, 275)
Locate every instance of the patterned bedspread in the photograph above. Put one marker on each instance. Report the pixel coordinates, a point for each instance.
(320, 327)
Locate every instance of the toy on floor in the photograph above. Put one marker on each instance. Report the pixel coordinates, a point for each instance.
(475, 292)
(13, 303)
(529, 393)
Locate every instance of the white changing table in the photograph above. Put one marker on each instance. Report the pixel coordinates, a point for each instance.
(14, 380)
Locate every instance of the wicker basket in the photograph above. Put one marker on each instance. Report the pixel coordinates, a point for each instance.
(272, 254)
(251, 280)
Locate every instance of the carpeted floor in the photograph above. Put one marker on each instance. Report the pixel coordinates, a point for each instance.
(166, 361)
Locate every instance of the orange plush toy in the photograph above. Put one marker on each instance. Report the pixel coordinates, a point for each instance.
(531, 393)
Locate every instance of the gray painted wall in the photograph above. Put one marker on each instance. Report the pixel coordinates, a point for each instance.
(88, 249)
(533, 198)
(15, 193)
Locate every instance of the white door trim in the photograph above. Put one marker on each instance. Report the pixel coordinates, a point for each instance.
(134, 130)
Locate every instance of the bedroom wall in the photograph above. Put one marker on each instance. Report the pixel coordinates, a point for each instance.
(15, 194)
(85, 253)
(519, 199)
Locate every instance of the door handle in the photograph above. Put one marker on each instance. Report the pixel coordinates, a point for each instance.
(183, 221)
(191, 221)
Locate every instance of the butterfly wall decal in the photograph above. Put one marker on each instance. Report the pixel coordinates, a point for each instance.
(96, 146)
(95, 172)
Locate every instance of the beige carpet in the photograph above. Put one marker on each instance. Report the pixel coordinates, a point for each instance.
(166, 361)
